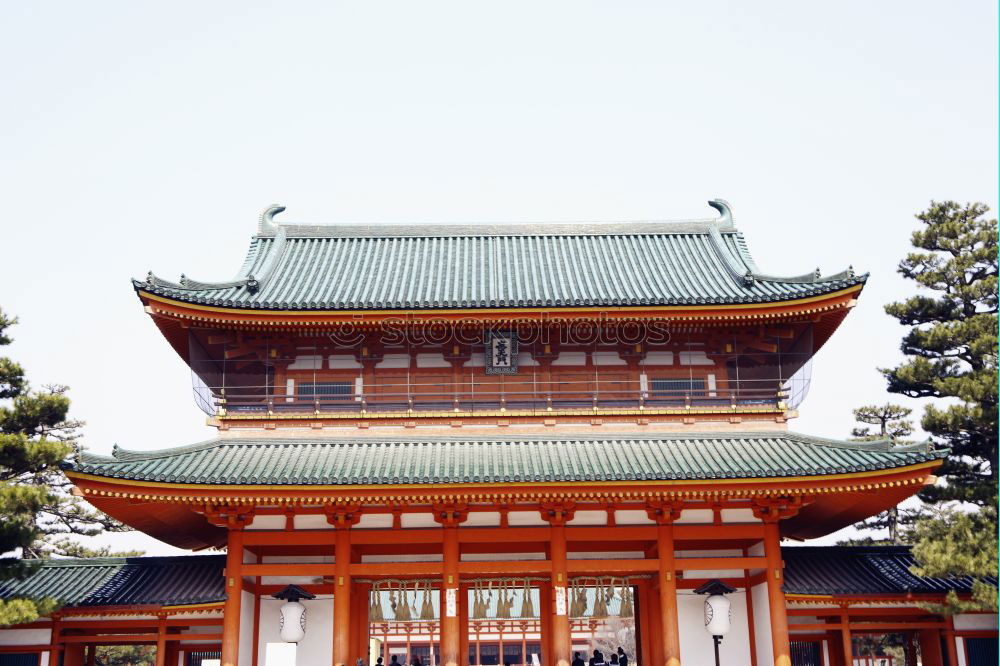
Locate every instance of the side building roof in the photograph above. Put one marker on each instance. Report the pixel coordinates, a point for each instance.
(382, 267)
(525, 459)
(131, 581)
(861, 570)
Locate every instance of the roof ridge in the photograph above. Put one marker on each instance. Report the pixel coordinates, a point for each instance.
(268, 227)
(111, 561)
(129, 455)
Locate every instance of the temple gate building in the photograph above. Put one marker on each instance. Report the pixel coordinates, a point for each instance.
(497, 445)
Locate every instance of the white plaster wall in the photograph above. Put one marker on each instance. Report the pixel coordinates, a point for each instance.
(589, 518)
(482, 519)
(316, 649)
(960, 650)
(976, 621)
(762, 624)
(25, 636)
(697, 516)
(374, 521)
(246, 627)
(696, 643)
(632, 517)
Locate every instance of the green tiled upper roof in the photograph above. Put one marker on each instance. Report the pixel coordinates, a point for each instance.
(118, 581)
(302, 267)
(274, 461)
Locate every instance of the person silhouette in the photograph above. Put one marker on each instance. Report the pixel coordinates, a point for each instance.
(622, 657)
(578, 660)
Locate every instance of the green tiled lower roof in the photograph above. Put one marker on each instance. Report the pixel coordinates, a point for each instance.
(316, 461)
(179, 580)
(119, 581)
(300, 267)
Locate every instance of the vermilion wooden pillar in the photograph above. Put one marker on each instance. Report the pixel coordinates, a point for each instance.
(545, 617)
(950, 647)
(845, 638)
(655, 627)
(360, 597)
(161, 642)
(643, 620)
(668, 594)
(73, 654)
(911, 649)
(930, 648)
(234, 591)
(342, 598)
(664, 514)
(463, 624)
(451, 641)
(775, 595)
(92, 655)
(561, 643)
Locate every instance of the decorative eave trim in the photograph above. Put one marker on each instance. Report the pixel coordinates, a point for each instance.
(489, 492)
(836, 300)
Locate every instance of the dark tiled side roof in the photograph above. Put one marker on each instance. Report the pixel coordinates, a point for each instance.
(254, 461)
(300, 267)
(859, 570)
(165, 581)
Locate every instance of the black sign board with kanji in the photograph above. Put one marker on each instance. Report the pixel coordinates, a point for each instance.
(501, 353)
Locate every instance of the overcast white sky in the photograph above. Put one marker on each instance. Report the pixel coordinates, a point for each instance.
(137, 136)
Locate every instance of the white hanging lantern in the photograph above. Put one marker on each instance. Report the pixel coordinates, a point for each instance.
(718, 618)
(717, 615)
(293, 622)
(292, 614)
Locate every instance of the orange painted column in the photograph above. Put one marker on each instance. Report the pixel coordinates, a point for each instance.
(161, 643)
(91, 655)
(668, 594)
(54, 641)
(930, 648)
(234, 592)
(255, 650)
(951, 649)
(361, 596)
(656, 627)
(545, 617)
(561, 643)
(911, 649)
(845, 638)
(342, 598)
(749, 602)
(451, 639)
(73, 654)
(463, 624)
(644, 620)
(775, 595)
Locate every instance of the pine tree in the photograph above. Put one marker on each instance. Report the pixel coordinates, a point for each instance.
(952, 344)
(891, 423)
(37, 510)
(951, 543)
